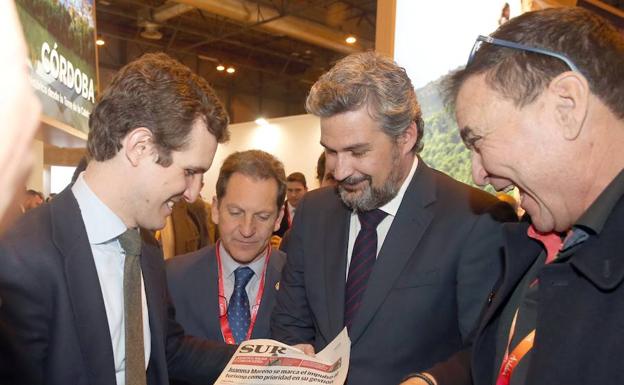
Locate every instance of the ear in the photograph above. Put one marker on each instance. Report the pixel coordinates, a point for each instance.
(408, 139)
(571, 93)
(278, 220)
(138, 145)
(214, 210)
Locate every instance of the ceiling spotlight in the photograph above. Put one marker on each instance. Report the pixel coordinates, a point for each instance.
(262, 122)
(150, 30)
(351, 39)
(100, 41)
(230, 70)
(220, 68)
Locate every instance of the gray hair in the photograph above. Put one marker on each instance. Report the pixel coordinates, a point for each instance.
(371, 80)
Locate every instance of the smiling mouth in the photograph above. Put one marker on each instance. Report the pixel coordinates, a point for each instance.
(351, 185)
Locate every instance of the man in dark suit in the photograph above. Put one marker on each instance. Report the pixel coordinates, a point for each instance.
(88, 303)
(551, 81)
(402, 255)
(296, 187)
(250, 190)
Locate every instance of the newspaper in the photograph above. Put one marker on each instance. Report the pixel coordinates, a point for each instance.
(268, 362)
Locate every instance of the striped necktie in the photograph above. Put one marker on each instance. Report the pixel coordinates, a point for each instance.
(362, 262)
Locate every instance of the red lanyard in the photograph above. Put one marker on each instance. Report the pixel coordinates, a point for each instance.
(226, 331)
(552, 243)
(510, 361)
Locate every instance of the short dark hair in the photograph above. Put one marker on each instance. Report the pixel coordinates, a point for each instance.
(161, 94)
(593, 44)
(34, 193)
(297, 177)
(255, 164)
(368, 79)
(320, 167)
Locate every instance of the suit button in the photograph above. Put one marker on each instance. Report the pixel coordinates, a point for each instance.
(490, 297)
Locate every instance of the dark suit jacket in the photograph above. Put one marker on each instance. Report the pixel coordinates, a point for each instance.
(579, 335)
(53, 302)
(284, 225)
(193, 284)
(433, 274)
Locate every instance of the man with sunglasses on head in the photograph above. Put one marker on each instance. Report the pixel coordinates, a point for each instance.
(541, 106)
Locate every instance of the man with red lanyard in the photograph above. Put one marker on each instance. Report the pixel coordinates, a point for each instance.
(226, 292)
(540, 106)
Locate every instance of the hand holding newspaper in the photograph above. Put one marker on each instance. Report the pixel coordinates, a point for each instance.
(268, 362)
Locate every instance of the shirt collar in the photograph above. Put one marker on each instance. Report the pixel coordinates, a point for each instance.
(596, 215)
(392, 207)
(229, 264)
(101, 223)
(291, 208)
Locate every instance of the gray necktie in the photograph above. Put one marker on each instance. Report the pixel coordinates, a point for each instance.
(135, 352)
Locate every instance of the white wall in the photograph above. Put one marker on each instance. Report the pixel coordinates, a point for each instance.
(434, 37)
(294, 140)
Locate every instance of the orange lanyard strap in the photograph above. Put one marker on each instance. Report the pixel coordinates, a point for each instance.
(226, 331)
(510, 361)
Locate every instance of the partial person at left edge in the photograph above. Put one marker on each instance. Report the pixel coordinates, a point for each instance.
(87, 299)
(19, 114)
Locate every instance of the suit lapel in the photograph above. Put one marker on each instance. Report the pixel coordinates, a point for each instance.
(207, 280)
(268, 298)
(70, 237)
(333, 266)
(520, 253)
(409, 225)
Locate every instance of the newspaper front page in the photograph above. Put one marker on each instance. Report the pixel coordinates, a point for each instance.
(268, 362)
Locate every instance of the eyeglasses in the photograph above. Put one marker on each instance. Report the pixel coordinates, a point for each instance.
(510, 44)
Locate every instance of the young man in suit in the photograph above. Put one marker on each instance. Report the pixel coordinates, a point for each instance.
(87, 301)
(402, 255)
(226, 292)
(550, 81)
(296, 187)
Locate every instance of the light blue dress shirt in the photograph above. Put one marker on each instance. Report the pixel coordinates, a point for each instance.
(103, 227)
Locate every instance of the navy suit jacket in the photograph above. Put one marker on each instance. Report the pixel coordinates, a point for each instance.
(53, 303)
(193, 284)
(432, 276)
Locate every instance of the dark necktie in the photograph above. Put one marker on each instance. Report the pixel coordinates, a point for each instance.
(238, 313)
(133, 308)
(362, 262)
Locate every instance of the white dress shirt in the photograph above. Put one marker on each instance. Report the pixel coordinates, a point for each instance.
(103, 227)
(291, 212)
(229, 265)
(390, 208)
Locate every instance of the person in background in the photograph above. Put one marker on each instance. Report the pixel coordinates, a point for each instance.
(189, 228)
(402, 256)
(86, 299)
(238, 278)
(296, 187)
(32, 198)
(551, 81)
(324, 177)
